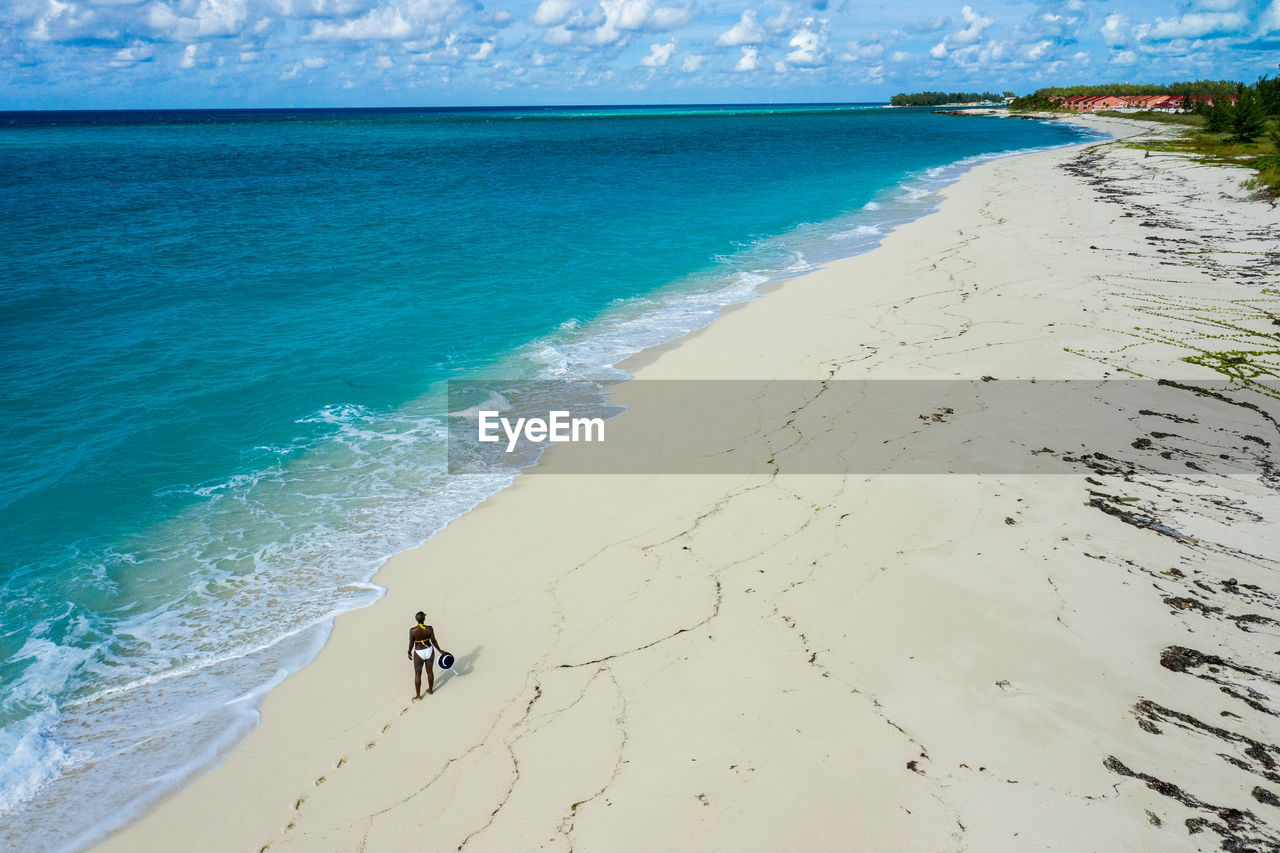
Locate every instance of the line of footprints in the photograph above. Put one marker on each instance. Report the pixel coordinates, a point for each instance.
(302, 799)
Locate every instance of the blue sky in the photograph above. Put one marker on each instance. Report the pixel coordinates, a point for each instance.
(224, 53)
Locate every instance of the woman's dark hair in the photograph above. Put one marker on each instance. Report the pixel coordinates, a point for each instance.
(421, 617)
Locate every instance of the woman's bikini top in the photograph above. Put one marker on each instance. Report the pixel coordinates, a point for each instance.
(425, 642)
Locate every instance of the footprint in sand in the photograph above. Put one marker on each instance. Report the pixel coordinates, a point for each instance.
(371, 744)
(386, 728)
(298, 804)
(321, 781)
(341, 761)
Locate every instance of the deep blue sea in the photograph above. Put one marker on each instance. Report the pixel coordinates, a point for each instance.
(223, 339)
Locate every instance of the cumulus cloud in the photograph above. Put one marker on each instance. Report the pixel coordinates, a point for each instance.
(692, 63)
(1193, 25)
(128, 56)
(208, 18)
(809, 45)
(1115, 30)
(928, 25)
(746, 31)
(749, 61)
(659, 54)
(551, 13)
(188, 59)
(1270, 20)
(624, 16)
(396, 22)
(482, 52)
(974, 25)
(784, 20)
(863, 51)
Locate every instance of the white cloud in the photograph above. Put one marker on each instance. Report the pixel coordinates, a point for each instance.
(317, 8)
(482, 52)
(784, 20)
(313, 62)
(809, 45)
(856, 51)
(1270, 20)
(383, 62)
(292, 72)
(1124, 57)
(128, 56)
(928, 25)
(550, 13)
(974, 25)
(746, 31)
(749, 61)
(557, 36)
(1194, 25)
(669, 18)
(385, 23)
(1115, 31)
(659, 54)
(692, 63)
(625, 16)
(208, 18)
(1036, 52)
(248, 56)
(188, 59)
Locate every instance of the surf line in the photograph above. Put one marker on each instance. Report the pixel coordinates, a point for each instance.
(557, 426)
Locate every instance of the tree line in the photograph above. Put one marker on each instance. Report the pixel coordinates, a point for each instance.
(937, 99)
(1189, 87)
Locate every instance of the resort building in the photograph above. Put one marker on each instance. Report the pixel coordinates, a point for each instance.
(1135, 103)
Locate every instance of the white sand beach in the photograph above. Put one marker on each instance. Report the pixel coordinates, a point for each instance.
(931, 661)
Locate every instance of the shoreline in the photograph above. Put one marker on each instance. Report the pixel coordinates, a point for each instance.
(682, 304)
(295, 751)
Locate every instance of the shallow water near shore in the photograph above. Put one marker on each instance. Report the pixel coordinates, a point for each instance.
(226, 338)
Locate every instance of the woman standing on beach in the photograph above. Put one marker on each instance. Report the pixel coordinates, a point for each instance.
(422, 651)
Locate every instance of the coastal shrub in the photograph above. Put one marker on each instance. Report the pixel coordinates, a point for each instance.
(1187, 119)
(937, 99)
(1247, 119)
(1219, 117)
(1268, 89)
(1268, 178)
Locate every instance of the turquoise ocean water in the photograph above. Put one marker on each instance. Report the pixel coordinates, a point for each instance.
(223, 338)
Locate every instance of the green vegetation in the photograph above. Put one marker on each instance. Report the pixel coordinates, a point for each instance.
(1246, 133)
(1185, 119)
(1224, 149)
(1042, 99)
(937, 99)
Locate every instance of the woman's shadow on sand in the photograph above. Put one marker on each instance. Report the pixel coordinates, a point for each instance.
(462, 665)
